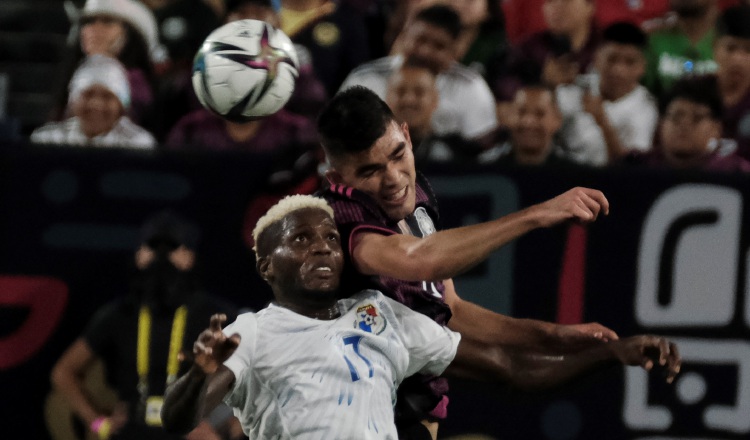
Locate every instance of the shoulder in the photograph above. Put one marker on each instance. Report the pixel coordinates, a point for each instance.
(351, 205)
(53, 131)
(135, 135)
(459, 72)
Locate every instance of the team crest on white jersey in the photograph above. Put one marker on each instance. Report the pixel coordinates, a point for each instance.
(369, 320)
(424, 221)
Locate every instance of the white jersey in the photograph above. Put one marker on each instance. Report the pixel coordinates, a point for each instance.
(634, 117)
(466, 104)
(125, 134)
(302, 378)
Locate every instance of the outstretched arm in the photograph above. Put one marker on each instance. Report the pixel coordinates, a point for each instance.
(489, 328)
(534, 369)
(451, 252)
(195, 394)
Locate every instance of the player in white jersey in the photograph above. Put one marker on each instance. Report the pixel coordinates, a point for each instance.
(314, 366)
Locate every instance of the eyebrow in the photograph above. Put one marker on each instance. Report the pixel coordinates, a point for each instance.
(376, 166)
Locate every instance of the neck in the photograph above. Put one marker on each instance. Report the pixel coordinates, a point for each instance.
(326, 313)
(241, 132)
(325, 307)
(615, 96)
(89, 132)
(529, 157)
(579, 37)
(697, 27)
(684, 160)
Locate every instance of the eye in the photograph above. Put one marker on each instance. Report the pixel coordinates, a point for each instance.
(300, 238)
(333, 237)
(367, 174)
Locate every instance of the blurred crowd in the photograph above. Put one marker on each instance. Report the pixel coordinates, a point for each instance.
(662, 83)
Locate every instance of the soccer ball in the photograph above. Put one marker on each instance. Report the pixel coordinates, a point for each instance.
(245, 70)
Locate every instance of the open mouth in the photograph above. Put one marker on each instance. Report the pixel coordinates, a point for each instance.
(396, 198)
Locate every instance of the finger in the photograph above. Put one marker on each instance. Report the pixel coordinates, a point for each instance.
(663, 351)
(600, 199)
(609, 334)
(200, 348)
(674, 363)
(216, 321)
(581, 212)
(233, 341)
(206, 336)
(592, 205)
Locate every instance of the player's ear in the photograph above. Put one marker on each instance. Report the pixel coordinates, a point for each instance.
(264, 267)
(334, 177)
(405, 130)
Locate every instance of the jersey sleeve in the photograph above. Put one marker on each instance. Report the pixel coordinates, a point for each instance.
(431, 346)
(242, 359)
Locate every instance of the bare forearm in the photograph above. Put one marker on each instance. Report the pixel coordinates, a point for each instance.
(71, 387)
(523, 368)
(490, 328)
(184, 402)
(451, 252)
(543, 370)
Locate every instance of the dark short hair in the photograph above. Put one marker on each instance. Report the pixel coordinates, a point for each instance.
(734, 22)
(703, 90)
(623, 32)
(352, 121)
(441, 16)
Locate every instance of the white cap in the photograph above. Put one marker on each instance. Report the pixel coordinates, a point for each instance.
(136, 14)
(100, 70)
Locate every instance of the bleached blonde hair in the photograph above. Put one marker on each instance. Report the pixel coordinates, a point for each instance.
(283, 208)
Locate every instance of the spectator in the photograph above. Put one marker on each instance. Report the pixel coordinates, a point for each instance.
(141, 338)
(554, 56)
(524, 17)
(125, 30)
(534, 122)
(99, 97)
(183, 26)
(412, 94)
(203, 130)
(684, 48)
(466, 105)
(608, 113)
(690, 131)
(732, 55)
(333, 32)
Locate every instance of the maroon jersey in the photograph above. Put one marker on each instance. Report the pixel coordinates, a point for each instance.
(356, 212)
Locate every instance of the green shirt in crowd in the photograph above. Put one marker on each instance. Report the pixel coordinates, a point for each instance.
(670, 56)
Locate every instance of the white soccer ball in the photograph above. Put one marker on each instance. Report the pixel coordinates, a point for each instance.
(245, 70)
